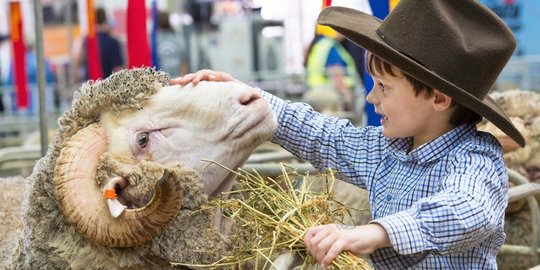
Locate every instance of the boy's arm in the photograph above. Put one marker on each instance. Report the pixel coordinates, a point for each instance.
(325, 141)
(469, 208)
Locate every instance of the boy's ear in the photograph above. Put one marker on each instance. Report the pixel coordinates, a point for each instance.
(441, 101)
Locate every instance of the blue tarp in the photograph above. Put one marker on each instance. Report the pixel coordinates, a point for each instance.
(523, 17)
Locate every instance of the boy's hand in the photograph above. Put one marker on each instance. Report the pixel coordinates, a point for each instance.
(325, 242)
(203, 75)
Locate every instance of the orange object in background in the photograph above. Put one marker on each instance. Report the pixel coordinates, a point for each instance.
(93, 59)
(56, 40)
(19, 54)
(393, 3)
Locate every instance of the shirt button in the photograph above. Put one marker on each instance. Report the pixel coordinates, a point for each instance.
(389, 197)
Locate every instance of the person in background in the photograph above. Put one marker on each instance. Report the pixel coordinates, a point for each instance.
(3, 38)
(330, 67)
(356, 52)
(32, 77)
(110, 52)
(438, 187)
(171, 48)
(32, 68)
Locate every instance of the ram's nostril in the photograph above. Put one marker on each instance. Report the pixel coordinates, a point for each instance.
(246, 100)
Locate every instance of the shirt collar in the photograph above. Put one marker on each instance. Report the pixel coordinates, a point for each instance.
(431, 150)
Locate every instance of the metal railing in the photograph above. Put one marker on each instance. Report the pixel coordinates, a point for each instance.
(525, 189)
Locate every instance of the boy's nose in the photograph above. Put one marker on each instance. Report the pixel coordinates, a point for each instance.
(371, 96)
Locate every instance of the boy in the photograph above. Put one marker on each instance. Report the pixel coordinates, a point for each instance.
(437, 186)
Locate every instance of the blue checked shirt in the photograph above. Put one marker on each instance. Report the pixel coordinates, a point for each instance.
(441, 204)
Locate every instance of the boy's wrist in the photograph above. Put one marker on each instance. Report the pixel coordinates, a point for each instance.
(366, 239)
(404, 232)
(381, 236)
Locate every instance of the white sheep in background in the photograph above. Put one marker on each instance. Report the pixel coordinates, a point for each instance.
(523, 108)
(133, 134)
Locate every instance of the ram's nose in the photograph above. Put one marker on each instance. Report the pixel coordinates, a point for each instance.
(248, 98)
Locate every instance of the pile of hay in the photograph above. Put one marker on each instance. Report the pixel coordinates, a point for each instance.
(274, 215)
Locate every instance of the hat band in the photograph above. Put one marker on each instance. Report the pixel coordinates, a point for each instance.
(393, 46)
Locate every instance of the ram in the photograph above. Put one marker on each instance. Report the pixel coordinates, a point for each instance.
(123, 184)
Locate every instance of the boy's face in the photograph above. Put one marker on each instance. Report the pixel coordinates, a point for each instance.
(403, 113)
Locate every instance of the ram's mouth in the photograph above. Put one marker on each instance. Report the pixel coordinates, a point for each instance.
(251, 124)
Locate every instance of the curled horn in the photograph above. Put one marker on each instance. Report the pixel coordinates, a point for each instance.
(82, 202)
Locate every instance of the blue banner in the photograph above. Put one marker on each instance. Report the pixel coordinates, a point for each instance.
(153, 34)
(523, 17)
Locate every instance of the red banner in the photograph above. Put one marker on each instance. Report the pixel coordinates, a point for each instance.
(93, 61)
(19, 56)
(137, 38)
(326, 3)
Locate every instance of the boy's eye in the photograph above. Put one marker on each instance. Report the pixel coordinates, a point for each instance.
(382, 86)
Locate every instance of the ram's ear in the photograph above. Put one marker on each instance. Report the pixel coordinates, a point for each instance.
(84, 205)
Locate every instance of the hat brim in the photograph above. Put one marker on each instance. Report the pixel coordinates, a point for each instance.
(361, 28)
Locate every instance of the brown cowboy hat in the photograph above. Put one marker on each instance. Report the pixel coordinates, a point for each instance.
(456, 47)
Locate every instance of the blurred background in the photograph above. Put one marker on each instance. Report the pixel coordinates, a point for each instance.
(254, 40)
(272, 44)
(48, 48)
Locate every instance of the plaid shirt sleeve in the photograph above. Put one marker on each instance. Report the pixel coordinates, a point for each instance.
(465, 211)
(326, 141)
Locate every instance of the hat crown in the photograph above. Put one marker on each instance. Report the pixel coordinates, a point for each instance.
(456, 46)
(462, 41)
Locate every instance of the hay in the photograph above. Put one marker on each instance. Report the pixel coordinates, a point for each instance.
(273, 217)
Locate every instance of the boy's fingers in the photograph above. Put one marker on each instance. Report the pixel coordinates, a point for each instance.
(324, 246)
(202, 75)
(197, 78)
(319, 233)
(182, 80)
(187, 77)
(307, 239)
(332, 254)
(178, 80)
(311, 232)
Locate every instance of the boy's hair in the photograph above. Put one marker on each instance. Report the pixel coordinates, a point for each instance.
(462, 115)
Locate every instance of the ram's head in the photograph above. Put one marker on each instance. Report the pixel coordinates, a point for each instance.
(172, 126)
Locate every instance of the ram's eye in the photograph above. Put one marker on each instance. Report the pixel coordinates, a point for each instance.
(142, 139)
